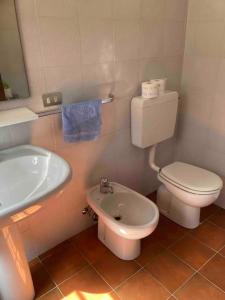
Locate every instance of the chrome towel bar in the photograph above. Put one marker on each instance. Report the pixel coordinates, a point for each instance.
(58, 109)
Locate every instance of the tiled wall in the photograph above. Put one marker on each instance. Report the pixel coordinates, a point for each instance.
(202, 121)
(86, 49)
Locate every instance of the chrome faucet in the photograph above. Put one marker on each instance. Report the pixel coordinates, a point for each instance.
(105, 186)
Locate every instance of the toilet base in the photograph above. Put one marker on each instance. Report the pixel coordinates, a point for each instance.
(121, 247)
(175, 210)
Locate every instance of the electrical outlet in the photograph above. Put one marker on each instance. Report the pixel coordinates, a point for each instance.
(52, 99)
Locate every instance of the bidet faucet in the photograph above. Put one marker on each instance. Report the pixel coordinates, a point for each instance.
(105, 186)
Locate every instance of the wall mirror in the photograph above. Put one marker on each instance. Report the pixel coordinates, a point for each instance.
(13, 79)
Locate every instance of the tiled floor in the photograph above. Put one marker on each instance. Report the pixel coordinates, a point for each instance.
(175, 263)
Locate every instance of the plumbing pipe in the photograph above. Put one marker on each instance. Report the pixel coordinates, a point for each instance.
(152, 159)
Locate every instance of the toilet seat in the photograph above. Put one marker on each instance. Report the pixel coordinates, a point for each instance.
(191, 179)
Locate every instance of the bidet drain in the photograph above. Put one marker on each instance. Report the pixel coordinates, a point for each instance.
(117, 218)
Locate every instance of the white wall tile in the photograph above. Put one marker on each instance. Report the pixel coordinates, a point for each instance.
(205, 10)
(62, 8)
(123, 114)
(42, 133)
(152, 42)
(204, 38)
(153, 9)
(127, 39)
(126, 9)
(60, 41)
(98, 80)
(151, 68)
(176, 10)
(199, 70)
(173, 72)
(96, 40)
(217, 121)
(126, 79)
(174, 38)
(221, 78)
(65, 79)
(97, 8)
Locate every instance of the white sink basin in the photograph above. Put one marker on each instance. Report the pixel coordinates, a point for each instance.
(28, 174)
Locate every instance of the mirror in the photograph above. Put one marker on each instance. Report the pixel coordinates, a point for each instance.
(13, 79)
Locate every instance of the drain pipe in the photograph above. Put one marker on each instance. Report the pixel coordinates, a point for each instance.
(152, 159)
(89, 211)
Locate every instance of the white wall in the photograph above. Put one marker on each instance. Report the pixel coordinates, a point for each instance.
(201, 131)
(86, 49)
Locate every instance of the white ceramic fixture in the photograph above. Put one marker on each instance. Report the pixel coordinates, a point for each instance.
(185, 188)
(16, 116)
(125, 217)
(28, 174)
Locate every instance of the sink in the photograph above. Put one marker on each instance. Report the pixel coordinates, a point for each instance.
(28, 175)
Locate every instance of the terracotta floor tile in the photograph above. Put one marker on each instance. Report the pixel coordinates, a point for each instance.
(149, 248)
(211, 235)
(86, 285)
(192, 251)
(142, 286)
(88, 240)
(60, 247)
(208, 211)
(115, 270)
(199, 288)
(42, 281)
(222, 252)
(64, 263)
(52, 295)
(214, 270)
(169, 270)
(167, 232)
(219, 218)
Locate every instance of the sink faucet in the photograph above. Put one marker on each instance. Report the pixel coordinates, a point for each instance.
(105, 186)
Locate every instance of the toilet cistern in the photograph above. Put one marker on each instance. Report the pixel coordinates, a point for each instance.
(105, 186)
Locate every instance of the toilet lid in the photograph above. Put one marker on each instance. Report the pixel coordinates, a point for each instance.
(191, 177)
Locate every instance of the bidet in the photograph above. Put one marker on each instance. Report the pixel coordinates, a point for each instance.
(28, 174)
(124, 218)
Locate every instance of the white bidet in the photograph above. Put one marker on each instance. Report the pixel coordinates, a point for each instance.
(125, 217)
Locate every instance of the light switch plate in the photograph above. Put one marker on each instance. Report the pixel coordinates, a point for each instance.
(52, 99)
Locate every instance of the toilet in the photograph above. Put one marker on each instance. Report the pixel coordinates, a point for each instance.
(185, 188)
(124, 218)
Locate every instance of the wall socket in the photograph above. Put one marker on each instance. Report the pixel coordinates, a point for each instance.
(52, 99)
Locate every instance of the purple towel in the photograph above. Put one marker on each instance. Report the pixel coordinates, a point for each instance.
(81, 121)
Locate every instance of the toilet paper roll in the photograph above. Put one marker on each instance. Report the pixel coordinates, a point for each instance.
(150, 89)
(161, 85)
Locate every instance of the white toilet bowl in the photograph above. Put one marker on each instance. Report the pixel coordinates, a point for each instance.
(125, 217)
(185, 190)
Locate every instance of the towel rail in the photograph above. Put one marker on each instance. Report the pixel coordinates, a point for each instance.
(58, 109)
